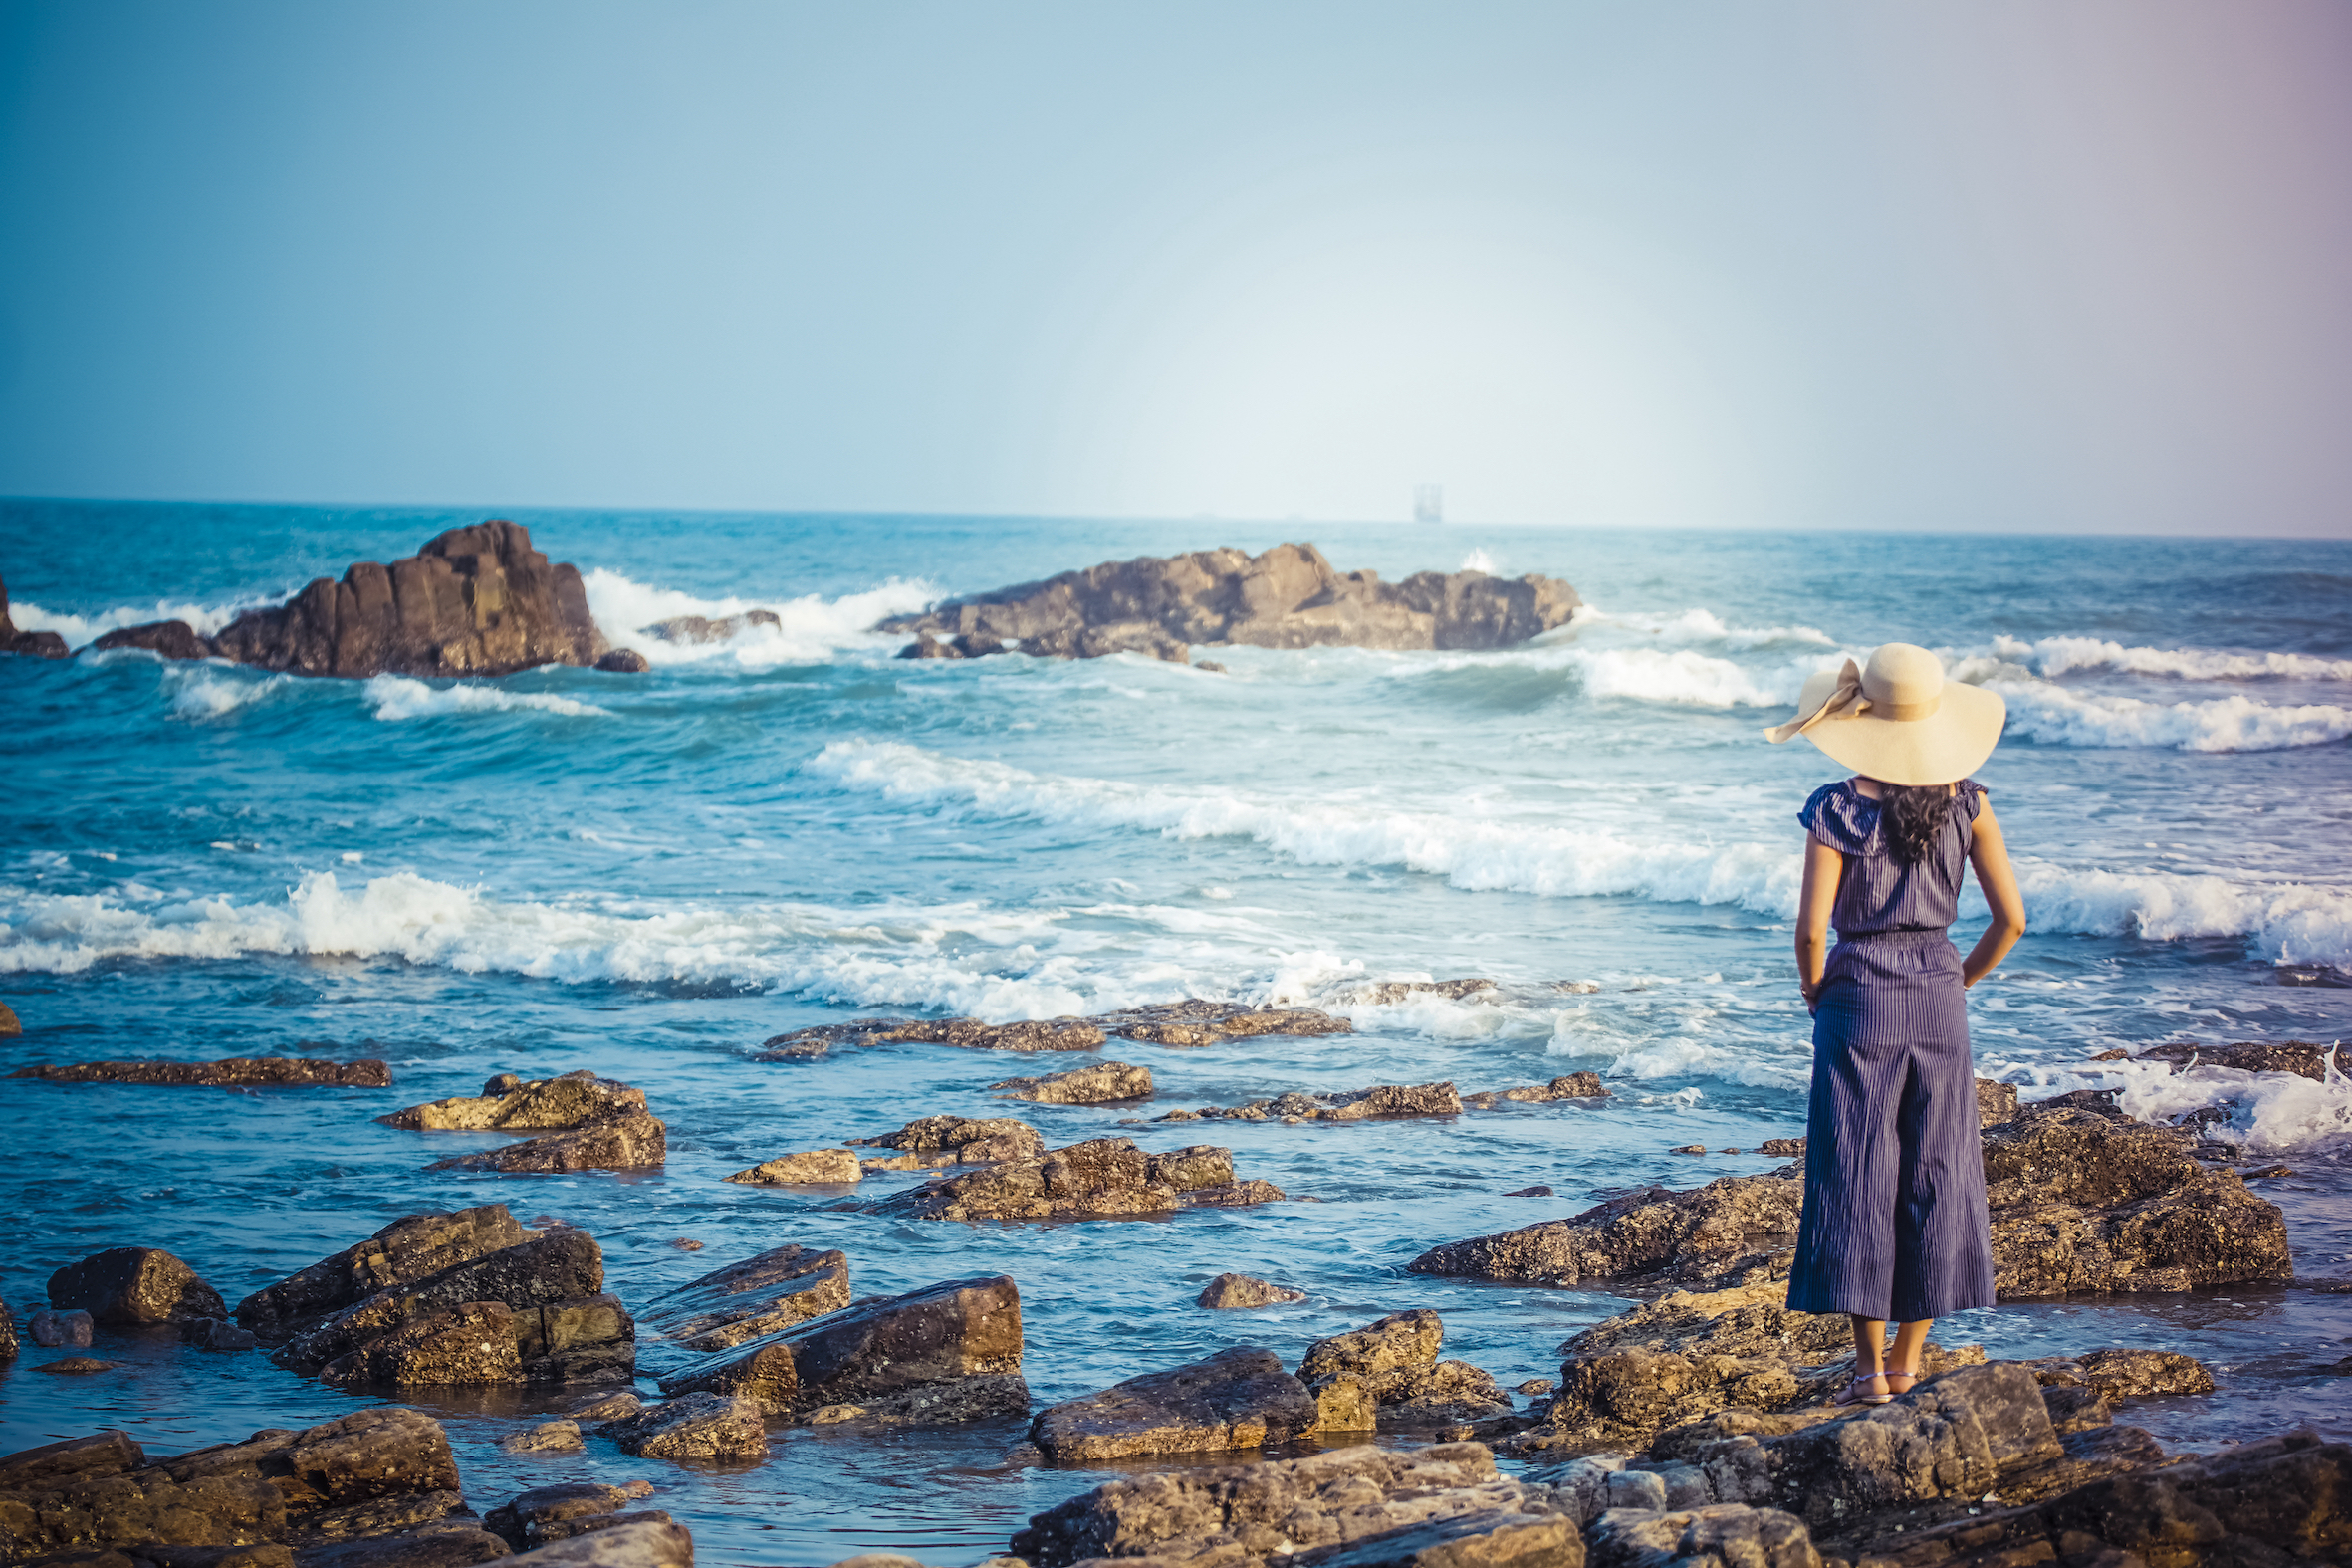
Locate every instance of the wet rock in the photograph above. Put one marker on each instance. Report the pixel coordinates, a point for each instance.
(1101, 1177)
(472, 1344)
(1537, 1191)
(935, 1142)
(1995, 1102)
(1380, 1100)
(51, 1329)
(10, 1026)
(134, 1285)
(214, 1334)
(623, 661)
(810, 1168)
(406, 1252)
(53, 1464)
(1194, 1023)
(626, 1143)
(549, 1270)
(516, 1522)
(1726, 1535)
(577, 1099)
(1574, 1086)
(967, 1034)
(962, 1331)
(1396, 1362)
(235, 1073)
(1103, 1083)
(1245, 1514)
(1240, 1292)
(608, 1406)
(1689, 1148)
(2296, 1056)
(169, 639)
(549, 1437)
(1286, 597)
(1783, 1148)
(1537, 1386)
(8, 1345)
(693, 1426)
(2118, 1375)
(75, 1366)
(1655, 1235)
(37, 644)
(1386, 993)
(685, 1244)
(1238, 1398)
(647, 1540)
(760, 1295)
(693, 629)
(476, 600)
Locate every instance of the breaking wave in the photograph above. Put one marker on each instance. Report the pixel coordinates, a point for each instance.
(806, 628)
(2055, 716)
(2051, 657)
(396, 697)
(81, 630)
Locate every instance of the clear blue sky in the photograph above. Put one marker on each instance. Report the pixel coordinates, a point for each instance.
(2007, 264)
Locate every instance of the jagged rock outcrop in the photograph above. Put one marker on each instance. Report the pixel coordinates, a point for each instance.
(806, 1168)
(409, 1250)
(625, 1143)
(476, 600)
(1237, 1398)
(235, 1073)
(577, 1099)
(1242, 1292)
(1395, 1362)
(947, 1352)
(1574, 1086)
(36, 645)
(936, 1142)
(1192, 1022)
(1298, 1510)
(2300, 1057)
(1101, 1083)
(1381, 1101)
(1286, 597)
(126, 1286)
(1098, 1178)
(761, 1295)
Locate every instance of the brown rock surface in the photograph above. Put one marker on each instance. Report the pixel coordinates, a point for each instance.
(1656, 1235)
(133, 1284)
(967, 1034)
(701, 628)
(476, 600)
(958, 1332)
(1240, 1292)
(1721, 1535)
(1574, 1086)
(760, 1295)
(935, 1142)
(1395, 1361)
(1286, 598)
(1103, 1083)
(235, 1073)
(547, 1270)
(808, 1167)
(1386, 993)
(1237, 1398)
(626, 1143)
(1098, 1178)
(1194, 1023)
(693, 1426)
(1349, 1105)
(472, 1344)
(37, 644)
(406, 1251)
(169, 639)
(640, 1540)
(2296, 1056)
(577, 1099)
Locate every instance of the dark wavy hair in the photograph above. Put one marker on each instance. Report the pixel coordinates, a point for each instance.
(1912, 816)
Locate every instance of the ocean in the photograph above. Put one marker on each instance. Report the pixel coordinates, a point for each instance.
(650, 875)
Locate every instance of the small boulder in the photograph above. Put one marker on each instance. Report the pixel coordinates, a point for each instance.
(626, 1143)
(1103, 1084)
(695, 1426)
(9, 1027)
(1238, 1398)
(75, 1366)
(1240, 1292)
(134, 1285)
(51, 1329)
(811, 1168)
(577, 1099)
(549, 1437)
(636, 1540)
(214, 1334)
(938, 1141)
(624, 661)
(608, 1406)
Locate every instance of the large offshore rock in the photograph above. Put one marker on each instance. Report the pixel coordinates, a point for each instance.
(37, 644)
(940, 1140)
(548, 1267)
(1237, 1398)
(53, 1464)
(133, 1284)
(962, 1331)
(1286, 597)
(1098, 1178)
(1395, 1361)
(407, 1251)
(697, 1424)
(235, 1073)
(1245, 1514)
(625, 1143)
(1346, 1106)
(476, 600)
(1654, 1237)
(1103, 1083)
(760, 1295)
(576, 1099)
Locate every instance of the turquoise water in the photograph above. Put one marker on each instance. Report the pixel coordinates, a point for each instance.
(650, 875)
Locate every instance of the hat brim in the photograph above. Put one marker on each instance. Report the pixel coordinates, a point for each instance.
(1943, 747)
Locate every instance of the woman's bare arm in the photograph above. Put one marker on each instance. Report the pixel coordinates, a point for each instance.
(1991, 857)
(1825, 869)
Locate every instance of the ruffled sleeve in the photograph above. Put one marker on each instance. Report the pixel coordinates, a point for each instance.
(1968, 796)
(1840, 817)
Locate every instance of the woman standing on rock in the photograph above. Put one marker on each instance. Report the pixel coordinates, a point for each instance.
(1894, 1223)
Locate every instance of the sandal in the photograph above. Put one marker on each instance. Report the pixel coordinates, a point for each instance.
(1910, 1382)
(1852, 1394)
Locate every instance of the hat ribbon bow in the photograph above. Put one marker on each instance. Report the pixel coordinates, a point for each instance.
(1844, 702)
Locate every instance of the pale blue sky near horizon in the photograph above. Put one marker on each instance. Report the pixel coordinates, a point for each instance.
(1958, 264)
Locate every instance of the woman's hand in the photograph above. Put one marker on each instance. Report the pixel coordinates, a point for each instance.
(1990, 855)
(1824, 868)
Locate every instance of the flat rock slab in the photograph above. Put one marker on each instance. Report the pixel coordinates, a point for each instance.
(1574, 1086)
(1381, 1101)
(1721, 1534)
(934, 1141)
(1103, 1084)
(747, 1301)
(1099, 1178)
(134, 1285)
(577, 1099)
(693, 1426)
(1189, 1023)
(808, 1167)
(234, 1072)
(1238, 1398)
(628, 1143)
(411, 1248)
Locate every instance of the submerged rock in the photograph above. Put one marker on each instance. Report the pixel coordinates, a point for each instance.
(403, 1252)
(760, 1295)
(950, 1351)
(235, 1073)
(638, 1540)
(1237, 1398)
(52, 1329)
(75, 1366)
(549, 1437)
(1103, 1083)
(577, 1099)
(702, 630)
(808, 1167)
(693, 1426)
(626, 1143)
(1286, 598)
(1240, 1292)
(133, 1284)
(476, 600)
(1574, 1086)
(217, 1336)
(1098, 1178)
(1350, 1105)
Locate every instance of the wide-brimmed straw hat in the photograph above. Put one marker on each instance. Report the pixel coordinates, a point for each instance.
(1897, 719)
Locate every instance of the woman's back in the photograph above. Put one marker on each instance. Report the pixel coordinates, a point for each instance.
(1880, 891)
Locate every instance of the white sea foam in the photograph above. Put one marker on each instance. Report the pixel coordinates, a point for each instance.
(2267, 1111)
(396, 697)
(2051, 657)
(812, 627)
(1695, 625)
(79, 630)
(1478, 560)
(204, 692)
(2052, 715)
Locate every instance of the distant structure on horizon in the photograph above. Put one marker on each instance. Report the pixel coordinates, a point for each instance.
(1429, 503)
